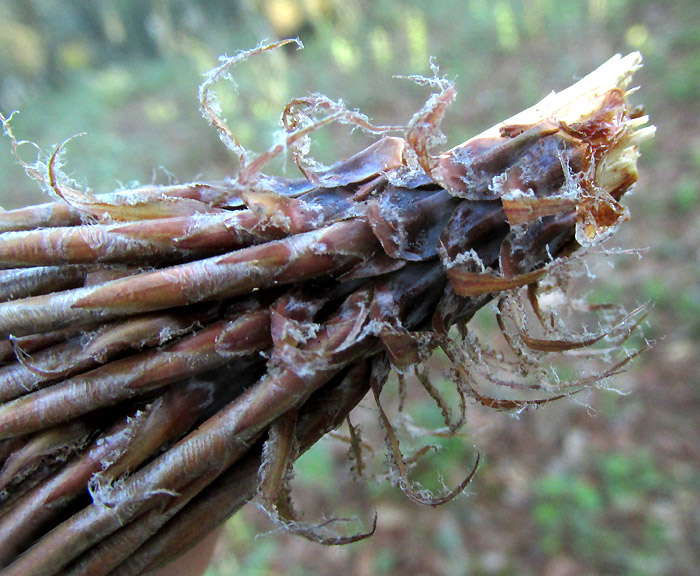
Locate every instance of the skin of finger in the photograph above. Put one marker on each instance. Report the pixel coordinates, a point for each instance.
(193, 562)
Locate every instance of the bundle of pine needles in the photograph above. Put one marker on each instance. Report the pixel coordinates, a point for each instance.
(169, 351)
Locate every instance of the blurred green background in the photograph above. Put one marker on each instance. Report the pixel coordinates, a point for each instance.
(608, 488)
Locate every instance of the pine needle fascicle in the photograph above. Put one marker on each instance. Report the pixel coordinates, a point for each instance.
(170, 350)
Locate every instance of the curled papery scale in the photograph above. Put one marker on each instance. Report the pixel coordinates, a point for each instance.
(170, 350)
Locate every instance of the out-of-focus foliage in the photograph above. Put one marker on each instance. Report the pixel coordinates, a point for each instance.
(554, 483)
(577, 515)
